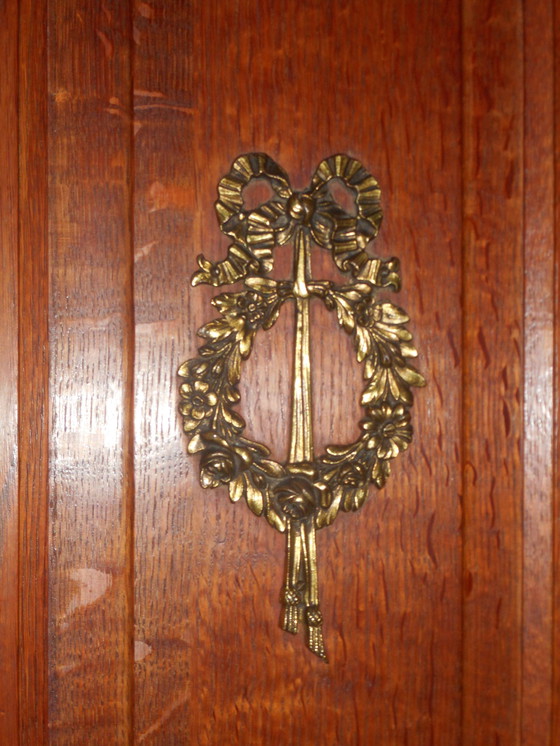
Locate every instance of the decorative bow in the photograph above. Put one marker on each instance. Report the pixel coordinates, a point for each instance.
(256, 232)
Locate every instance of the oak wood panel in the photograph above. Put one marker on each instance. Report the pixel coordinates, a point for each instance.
(300, 84)
(33, 372)
(164, 196)
(493, 371)
(9, 716)
(91, 344)
(206, 661)
(537, 688)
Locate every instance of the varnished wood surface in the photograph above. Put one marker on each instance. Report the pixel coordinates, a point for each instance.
(91, 373)
(391, 598)
(163, 224)
(556, 411)
(33, 374)
(493, 399)
(8, 376)
(538, 704)
(440, 597)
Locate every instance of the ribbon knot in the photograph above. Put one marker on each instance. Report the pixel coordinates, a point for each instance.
(255, 232)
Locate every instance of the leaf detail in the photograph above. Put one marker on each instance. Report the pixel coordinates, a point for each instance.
(337, 450)
(245, 344)
(236, 489)
(233, 418)
(363, 343)
(196, 444)
(354, 498)
(215, 330)
(276, 521)
(408, 350)
(326, 516)
(234, 368)
(411, 375)
(373, 393)
(344, 313)
(271, 468)
(254, 497)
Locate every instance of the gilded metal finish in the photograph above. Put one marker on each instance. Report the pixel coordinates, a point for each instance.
(307, 492)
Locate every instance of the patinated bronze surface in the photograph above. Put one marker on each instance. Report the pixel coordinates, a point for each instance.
(307, 492)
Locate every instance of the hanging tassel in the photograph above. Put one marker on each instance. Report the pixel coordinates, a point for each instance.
(301, 596)
(292, 597)
(313, 616)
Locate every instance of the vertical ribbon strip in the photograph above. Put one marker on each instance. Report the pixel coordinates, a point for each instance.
(301, 594)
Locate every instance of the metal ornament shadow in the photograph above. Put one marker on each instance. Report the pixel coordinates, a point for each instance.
(305, 494)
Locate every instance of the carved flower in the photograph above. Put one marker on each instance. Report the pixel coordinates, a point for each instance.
(198, 403)
(367, 312)
(352, 475)
(250, 306)
(389, 430)
(245, 313)
(297, 497)
(254, 308)
(220, 464)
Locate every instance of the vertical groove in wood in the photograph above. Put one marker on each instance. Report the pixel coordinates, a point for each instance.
(9, 596)
(33, 369)
(538, 375)
(556, 441)
(493, 359)
(129, 375)
(92, 373)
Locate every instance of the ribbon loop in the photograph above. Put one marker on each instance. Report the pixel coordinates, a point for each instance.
(255, 232)
(251, 226)
(347, 235)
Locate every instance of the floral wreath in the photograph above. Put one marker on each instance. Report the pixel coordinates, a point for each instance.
(298, 498)
(340, 478)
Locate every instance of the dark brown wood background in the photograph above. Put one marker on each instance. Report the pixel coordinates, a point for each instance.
(137, 608)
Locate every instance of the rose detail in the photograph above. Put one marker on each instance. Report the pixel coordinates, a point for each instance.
(220, 465)
(297, 497)
(352, 475)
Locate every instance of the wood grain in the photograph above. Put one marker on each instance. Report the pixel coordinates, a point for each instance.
(9, 591)
(538, 441)
(441, 597)
(299, 84)
(163, 200)
(493, 318)
(91, 342)
(33, 372)
(556, 425)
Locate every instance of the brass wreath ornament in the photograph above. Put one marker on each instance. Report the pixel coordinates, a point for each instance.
(305, 494)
